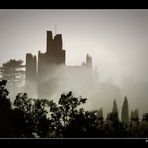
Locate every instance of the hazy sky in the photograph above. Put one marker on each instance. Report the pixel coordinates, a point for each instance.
(117, 40)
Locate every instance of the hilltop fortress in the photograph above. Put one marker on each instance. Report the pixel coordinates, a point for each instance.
(50, 74)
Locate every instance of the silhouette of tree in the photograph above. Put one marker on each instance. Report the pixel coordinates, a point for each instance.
(125, 112)
(83, 125)
(25, 105)
(5, 108)
(134, 122)
(55, 120)
(63, 113)
(34, 114)
(113, 127)
(18, 124)
(100, 121)
(39, 115)
(5, 103)
(68, 106)
(144, 126)
(13, 72)
(115, 108)
(43, 118)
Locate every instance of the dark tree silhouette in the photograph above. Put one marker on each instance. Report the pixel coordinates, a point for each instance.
(144, 126)
(18, 124)
(69, 106)
(63, 113)
(35, 114)
(39, 115)
(42, 118)
(115, 108)
(5, 109)
(125, 112)
(25, 104)
(5, 103)
(85, 124)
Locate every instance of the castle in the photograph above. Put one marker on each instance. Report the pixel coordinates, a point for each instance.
(49, 73)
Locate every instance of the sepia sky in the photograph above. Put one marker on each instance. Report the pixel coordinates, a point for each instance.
(117, 40)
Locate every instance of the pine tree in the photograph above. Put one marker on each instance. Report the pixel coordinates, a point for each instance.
(125, 112)
(115, 109)
(13, 72)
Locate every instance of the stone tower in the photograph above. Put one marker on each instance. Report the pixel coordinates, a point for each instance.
(48, 63)
(31, 75)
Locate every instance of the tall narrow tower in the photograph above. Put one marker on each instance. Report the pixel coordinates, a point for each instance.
(31, 75)
(48, 65)
(55, 53)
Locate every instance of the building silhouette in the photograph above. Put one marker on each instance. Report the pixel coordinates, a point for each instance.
(49, 73)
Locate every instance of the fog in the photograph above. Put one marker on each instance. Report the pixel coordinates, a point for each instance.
(83, 82)
(99, 93)
(116, 40)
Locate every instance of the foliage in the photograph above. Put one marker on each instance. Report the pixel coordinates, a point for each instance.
(64, 112)
(43, 118)
(4, 100)
(5, 107)
(13, 72)
(34, 113)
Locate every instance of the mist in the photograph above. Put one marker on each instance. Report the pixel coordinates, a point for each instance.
(99, 93)
(78, 80)
(115, 39)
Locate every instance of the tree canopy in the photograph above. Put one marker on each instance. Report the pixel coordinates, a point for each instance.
(13, 72)
(30, 118)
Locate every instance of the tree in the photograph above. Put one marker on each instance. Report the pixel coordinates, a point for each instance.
(39, 115)
(64, 112)
(5, 103)
(5, 109)
(18, 124)
(68, 106)
(115, 108)
(34, 113)
(144, 126)
(125, 112)
(13, 72)
(24, 104)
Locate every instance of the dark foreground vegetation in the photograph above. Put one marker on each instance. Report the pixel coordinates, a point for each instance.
(31, 118)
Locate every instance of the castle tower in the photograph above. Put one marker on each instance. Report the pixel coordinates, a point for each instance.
(31, 74)
(49, 41)
(48, 63)
(88, 61)
(54, 51)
